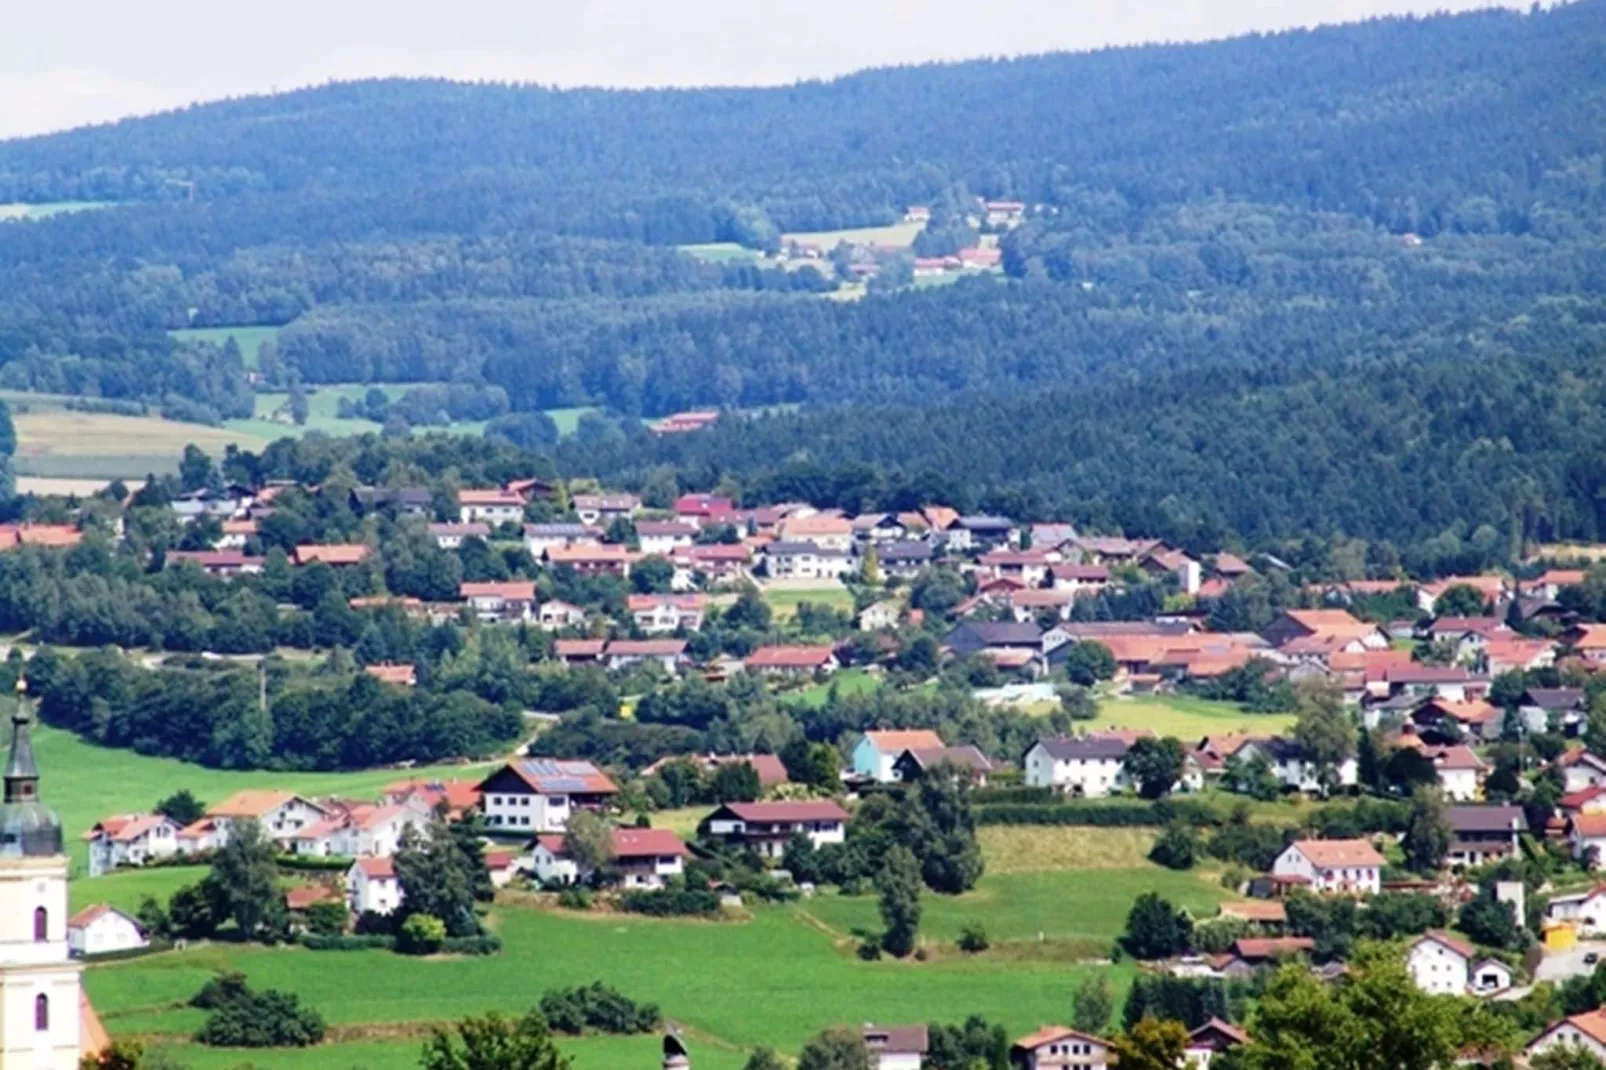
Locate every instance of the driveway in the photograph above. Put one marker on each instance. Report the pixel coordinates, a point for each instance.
(1560, 965)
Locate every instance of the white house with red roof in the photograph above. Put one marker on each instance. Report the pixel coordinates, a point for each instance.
(1585, 911)
(668, 654)
(791, 660)
(1058, 1047)
(659, 614)
(556, 615)
(1441, 963)
(103, 930)
(1587, 834)
(539, 794)
(877, 750)
(1210, 1040)
(1585, 1031)
(1342, 866)
(1580, 769)
(372, 886)
(280, 814)
(645, 858)
(130, 840)
(504, 600)
(493, 506)
(766, 827)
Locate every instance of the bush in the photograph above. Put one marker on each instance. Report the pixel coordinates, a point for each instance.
(485, 944)
(671, 902)
(1177, 848)
(327, 918)
(973, 938)
(313, 863)
(870, 948)
(344, 942)
(597, 1006)
(421, 934)
(574, 897)
(242, 1018)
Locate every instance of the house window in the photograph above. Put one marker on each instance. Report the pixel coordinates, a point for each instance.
(41, 925)
(41, 1013)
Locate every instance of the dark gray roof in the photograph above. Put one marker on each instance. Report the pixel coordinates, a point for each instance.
(1001, 632)
(1083, 748)
(28, 828)
(986, 523)
(964, 756)
(904, 551)
(1487, 818)
(1555, 698)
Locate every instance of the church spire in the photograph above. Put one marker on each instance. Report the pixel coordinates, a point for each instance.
(22, 773)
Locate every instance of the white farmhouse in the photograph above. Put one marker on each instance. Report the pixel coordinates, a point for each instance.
(102, 930)
(1056, 1047)
(1586, 1031)
(130, 840)
(1440, 963)
(371, 885)
(539, 794)
(1346, 866)
(280, 814)
(877, 750)
(1585, 911)
(765, 827)
(896, 1047)
(1288, 763)
(645, 858)
(1089, 766)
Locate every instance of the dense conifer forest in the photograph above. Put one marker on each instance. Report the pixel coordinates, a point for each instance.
(1330, 281)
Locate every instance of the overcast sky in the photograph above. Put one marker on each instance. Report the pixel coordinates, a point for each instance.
(78, 61)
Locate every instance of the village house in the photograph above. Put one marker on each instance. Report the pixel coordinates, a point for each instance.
(493, 507)
(603, 509)
(451, 536)
(718, 564)
(825, 530)
(1552, 709)
(979, 533)
(1580, 769)
(878, 528)
(505, 600)
(970, 762)
(644, 858)
(1087, 766)
(658, 614)
(130, 840)
(1287, 761)
(1585, 911)
(1440, 963)
(593, 560)
(372, 886)
(426, 796)
(1074, 579)
(667, 654)
(1484, 834)
(1329, 866)
(1029, 566)
(895, 1047)
(1323, 624)
(877, 751)
(1450, 683)
(402, 675)
(579, 651)
(703, 510)
(1586, 833)
(223, 563)
(791, 660)
(663, 537)
(1168, 562)
(904, 560)
(539, 794)
(769, 769)
(1585, 1031)
(766, 826)
(235, 534)
(1251, 954)
(1489, 977)
(280, 814)
(978, 636)
(1460, 770)
(1210, 1040)
(1057, 1047)
(1445, 718)
(805, 561)
(1004, 213)
(556, 615)
(540, 538)
(1587, 641)
(103, 930)
(369, 830)
(879, 616)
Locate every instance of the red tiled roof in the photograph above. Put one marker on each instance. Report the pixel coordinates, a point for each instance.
(1451, 941)
(377, 868)
(1329, 853)
(498, 496)
(789, 657)
(331, 554)
(646, 648)
(512, 591)
(1269, 947)
(818, 810)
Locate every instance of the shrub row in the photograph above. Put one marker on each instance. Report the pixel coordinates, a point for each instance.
(671, 902)
(484, 944)
(1103, 815)
(313, 863)
(345, 942)
(1012, 795)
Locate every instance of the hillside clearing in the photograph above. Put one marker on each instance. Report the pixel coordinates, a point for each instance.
(248, 338)
(1034, 849)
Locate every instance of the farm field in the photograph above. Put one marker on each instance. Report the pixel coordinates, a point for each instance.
(1186, 717)
(58, 442)
(84, 783)
(902, 234)
(774, 980)
(721, 252)
(847, 682)
(16, 211)
(249, 339)
(783, 600)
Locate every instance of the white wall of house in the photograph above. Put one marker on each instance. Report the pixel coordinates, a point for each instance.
(548, 866)
(1436, 969)
(490, 514)
(106, 853)
(897, 1061)
(1586, 912)
(1092, 778)
(382, 895)
(290, 817)
(1566, 1034)
(871, 761)
(1358, 879)
(1072, 1053)
(1459, 785)
(1488, 977)
(527, 811)
(110, 932)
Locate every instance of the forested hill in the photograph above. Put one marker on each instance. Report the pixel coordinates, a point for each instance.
(1399, 120)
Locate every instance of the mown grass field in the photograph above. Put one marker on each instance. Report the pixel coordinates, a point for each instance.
(783, 600)
(900, 234)
(846, 682)
(587, 1053)
(1186, 717)
(85, 783)
(249, 339)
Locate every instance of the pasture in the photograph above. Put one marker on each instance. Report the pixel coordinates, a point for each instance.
(1184, 716)
(894, 234)
(249, 339)
(783, 600)
(846, 682)
(588, 1053)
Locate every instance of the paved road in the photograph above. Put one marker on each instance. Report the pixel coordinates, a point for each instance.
(1560, 965)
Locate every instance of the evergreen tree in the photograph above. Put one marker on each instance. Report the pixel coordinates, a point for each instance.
(898, 884)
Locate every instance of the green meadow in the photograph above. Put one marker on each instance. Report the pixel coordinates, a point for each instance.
(1186, 717)
(249, 339)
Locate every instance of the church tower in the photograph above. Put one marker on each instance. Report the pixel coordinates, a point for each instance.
(40, 999)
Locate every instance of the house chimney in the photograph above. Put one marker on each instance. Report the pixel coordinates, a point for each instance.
(675, 1054)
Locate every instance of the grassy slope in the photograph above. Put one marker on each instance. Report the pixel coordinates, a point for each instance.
(783, 600)
(249, 339)
(85, 783)
(1185, 717)
(588, 1053)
